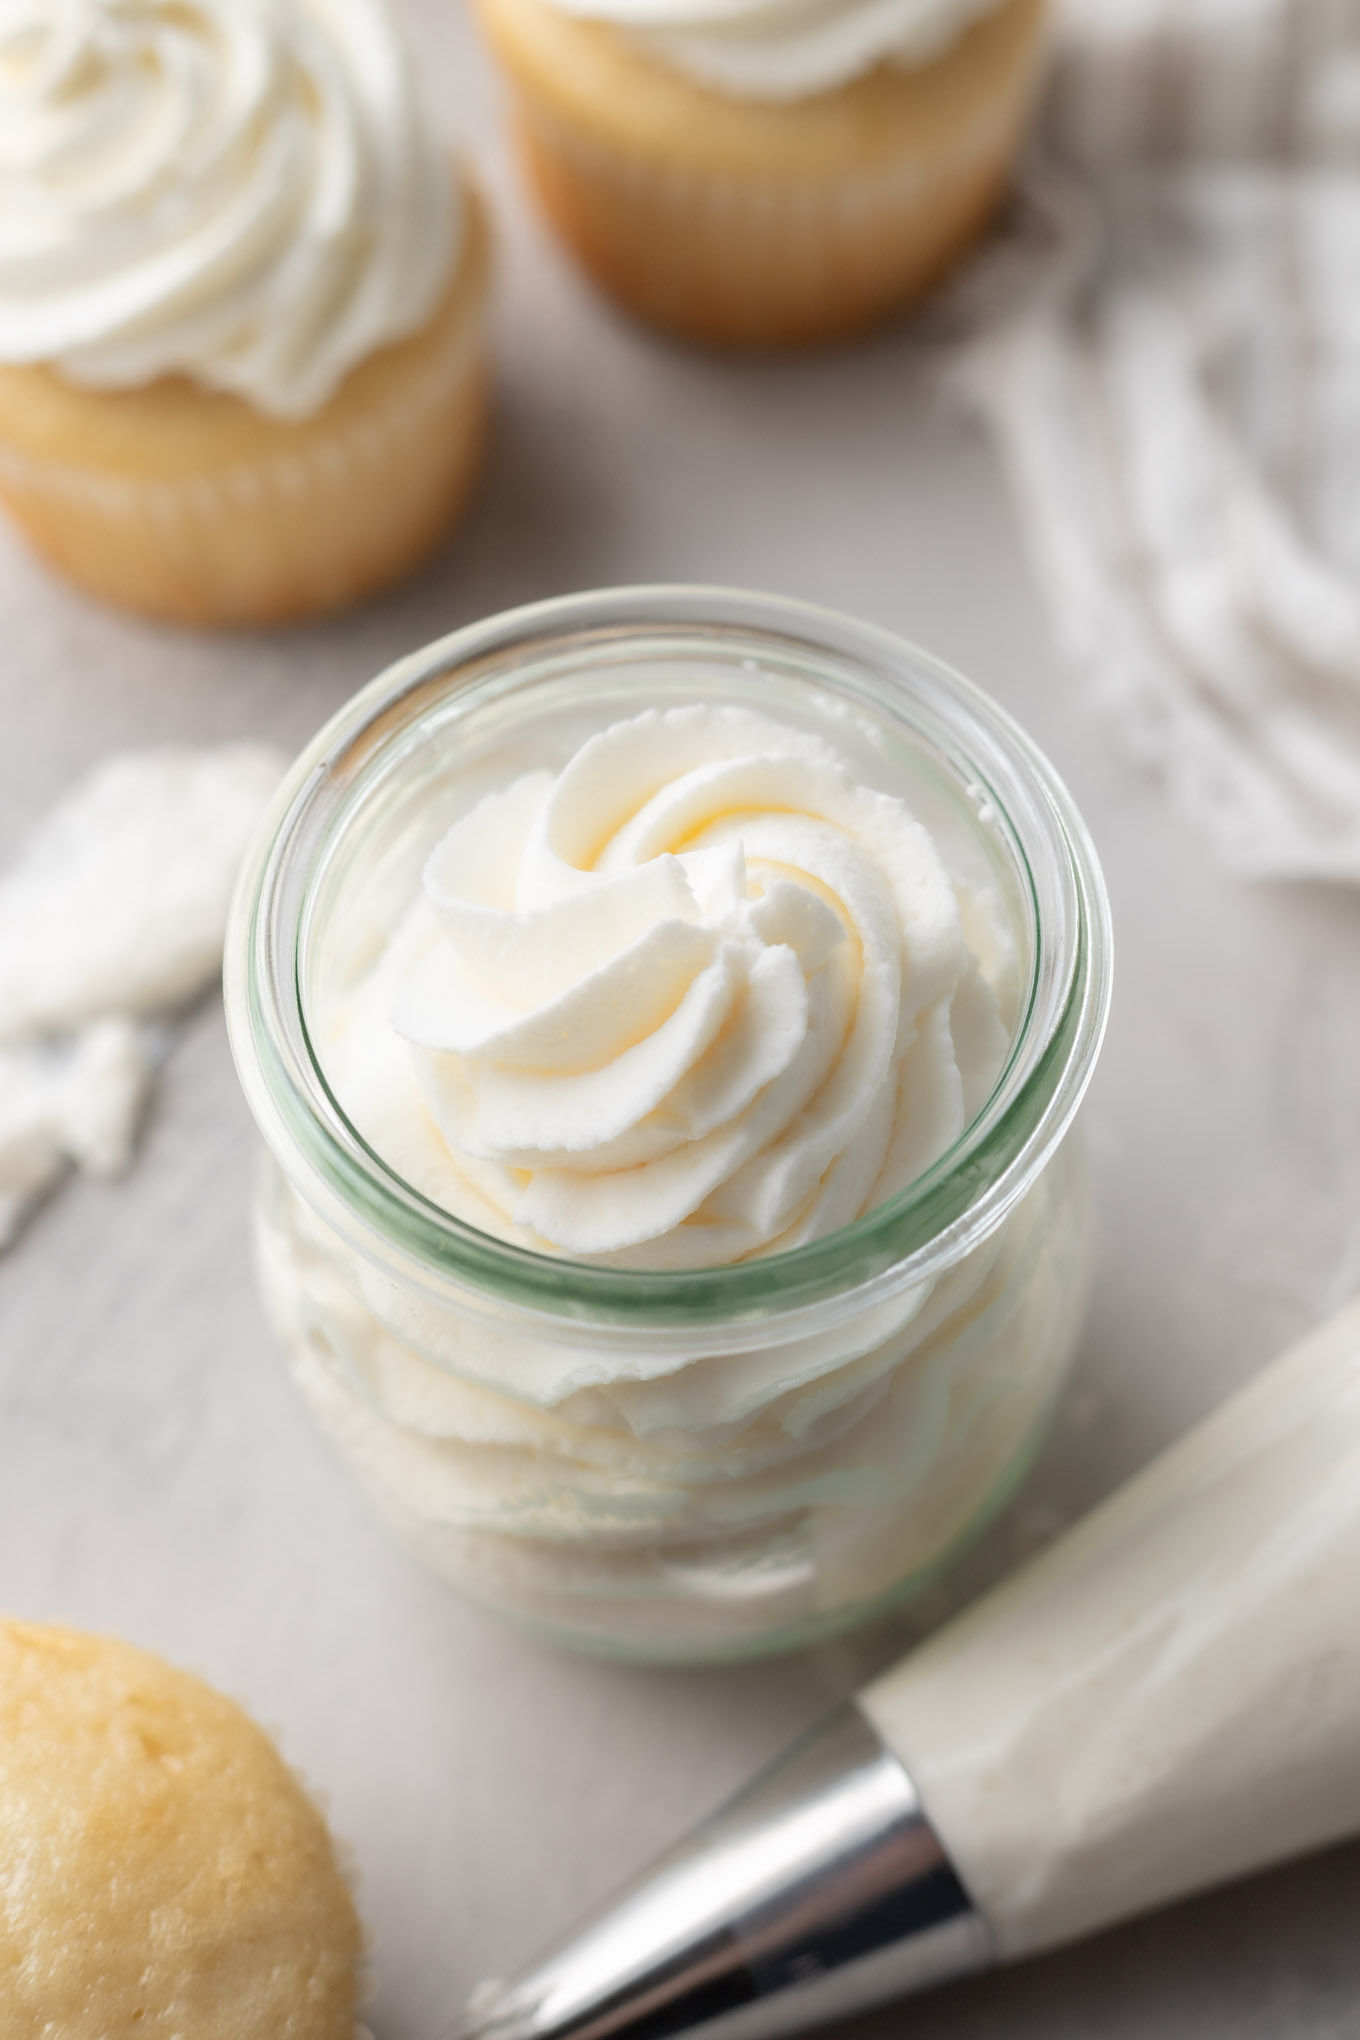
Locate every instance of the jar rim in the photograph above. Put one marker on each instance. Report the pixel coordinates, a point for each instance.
(956, 1201)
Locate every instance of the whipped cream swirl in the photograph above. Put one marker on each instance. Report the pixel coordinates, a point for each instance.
(242, 191)
(787, 49)
(697, 996)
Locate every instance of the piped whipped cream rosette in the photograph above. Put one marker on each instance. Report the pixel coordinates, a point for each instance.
(245, 191)
(695, 996)
(243, 285)
(698, 996)
(665, 1012)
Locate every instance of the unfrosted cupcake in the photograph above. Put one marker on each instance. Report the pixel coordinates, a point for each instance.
(164, 1874)
(767, 172)
(241, 294)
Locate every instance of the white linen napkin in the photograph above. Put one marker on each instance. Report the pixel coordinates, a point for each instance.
(1169, 358)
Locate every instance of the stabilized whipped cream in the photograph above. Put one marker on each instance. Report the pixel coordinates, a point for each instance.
(686, 1493)
(787, 49)
(697, 996)
(113, 916)
(1170, 1696)
(685, 989)
(244, 191)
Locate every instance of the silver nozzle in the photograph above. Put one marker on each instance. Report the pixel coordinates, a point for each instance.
(820, 1889)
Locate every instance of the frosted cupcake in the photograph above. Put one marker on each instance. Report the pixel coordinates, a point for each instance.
(767, 172)
(241, 294)
(165, 1875)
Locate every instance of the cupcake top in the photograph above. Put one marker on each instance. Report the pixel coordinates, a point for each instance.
(245, 192)
(164, 1873)
(786, 49)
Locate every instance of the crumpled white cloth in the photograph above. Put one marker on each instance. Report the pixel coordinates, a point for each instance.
(1168, 354)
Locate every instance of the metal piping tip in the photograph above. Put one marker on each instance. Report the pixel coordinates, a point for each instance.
(819, 1890)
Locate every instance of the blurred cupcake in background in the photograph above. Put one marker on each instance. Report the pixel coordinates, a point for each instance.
(768, 172)
(242, 368)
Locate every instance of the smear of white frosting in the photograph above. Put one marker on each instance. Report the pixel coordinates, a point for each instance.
(787, 49)
(114, 914)
(697, 996)
(80, 1104)
(244, 191)
(118, 903)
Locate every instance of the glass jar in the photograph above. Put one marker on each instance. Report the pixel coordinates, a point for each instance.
(720, 1461)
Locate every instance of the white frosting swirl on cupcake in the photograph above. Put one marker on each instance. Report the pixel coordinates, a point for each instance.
(787, 49)
(243, 191)
(699, 995)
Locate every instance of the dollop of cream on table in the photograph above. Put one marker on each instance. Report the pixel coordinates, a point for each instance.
(698, 995)
(787, 49)
(242, 191)
(79, 1105)
(112, 918)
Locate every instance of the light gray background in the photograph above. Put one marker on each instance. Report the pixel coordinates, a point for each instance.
(156, 1477)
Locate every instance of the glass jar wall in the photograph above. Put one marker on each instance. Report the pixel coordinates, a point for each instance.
(697, 1462)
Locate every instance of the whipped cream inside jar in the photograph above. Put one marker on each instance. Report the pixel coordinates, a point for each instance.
(665, 1011)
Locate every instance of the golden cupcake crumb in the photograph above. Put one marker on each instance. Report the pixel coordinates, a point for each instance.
(163, 1876)
(759, 225)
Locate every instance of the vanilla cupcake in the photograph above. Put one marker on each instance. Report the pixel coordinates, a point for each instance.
(767, 172)
(241, 295)
(164, 1873)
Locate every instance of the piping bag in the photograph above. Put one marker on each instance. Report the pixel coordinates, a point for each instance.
(1168, 1697)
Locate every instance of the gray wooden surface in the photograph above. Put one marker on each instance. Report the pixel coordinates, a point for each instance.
(156, 1477)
